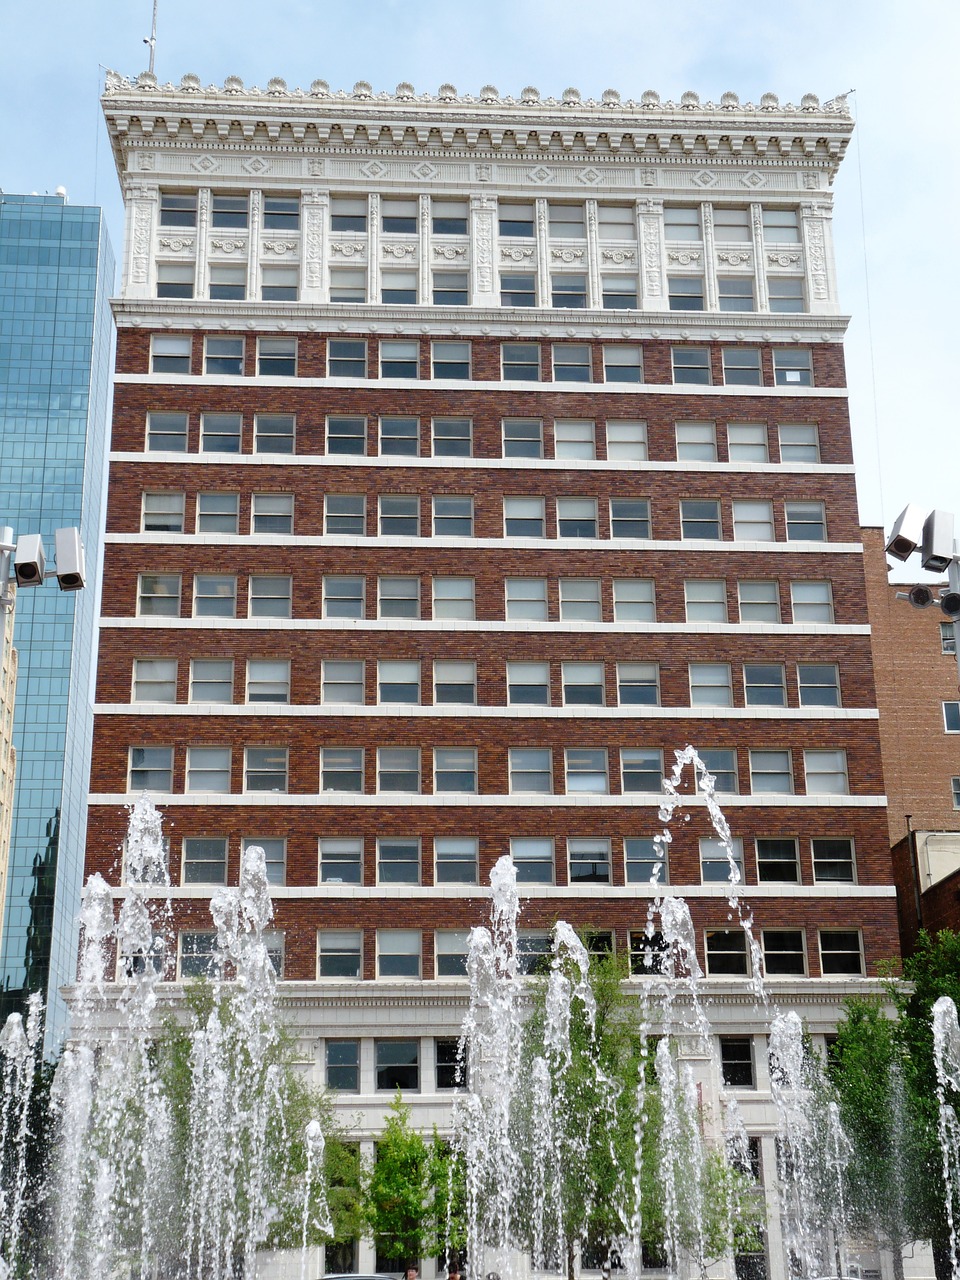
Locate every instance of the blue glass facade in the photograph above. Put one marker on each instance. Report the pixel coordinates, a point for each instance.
(56, 343)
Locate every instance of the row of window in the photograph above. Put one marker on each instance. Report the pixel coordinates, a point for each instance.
(581, 684)
(399, 953)
(530, 770)
(454, 598)
(516, 218)
(593, 860)
(224, 356)
(398, 515)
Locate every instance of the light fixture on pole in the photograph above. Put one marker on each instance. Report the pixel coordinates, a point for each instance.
(24, 560)
(931, 535)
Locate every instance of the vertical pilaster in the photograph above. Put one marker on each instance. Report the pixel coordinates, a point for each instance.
(256, 227)
(818, 257)
(594, 289)
(139, 267)
(482, 210)
(313, 257)
(373, 247)
(711, 288)
(760, 271)
(653, 272)
(424, 293)
(543, 252)
(201, 285)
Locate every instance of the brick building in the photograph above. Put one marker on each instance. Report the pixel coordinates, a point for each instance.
(470, 455)
(915, 662)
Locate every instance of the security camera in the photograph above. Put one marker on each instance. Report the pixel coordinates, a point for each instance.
(906, 534)
(29, 560)
(921, 597)
(936, 548)
(950, 603)
(71, 567)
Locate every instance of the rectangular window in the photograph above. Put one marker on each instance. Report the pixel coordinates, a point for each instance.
(948, 638)
(522, 438)
(205, 860)
(792, 367)
(347, 284)
(451, 947)
(167, 432)
(220, 432)
(398, 769)
(453, 598)
(533, 859)
(341, 860)
(622, 363)
(781, 226)
(345, 514)
(566, 220)
(691, 365)
(526, 599)
(456, 859)
(574, 439)
(764, 684)
(218, 513)
(343, 1065)
(568, 291)
(619, 293)
(451, 1068)
(736, 1062)
(627, 441)
(516, 219)
(833, 861)
(348, 213)
(398, 680)
(268, 680)
(523, 518)
(644, 859)
(398, 597)
(811, 601)
(951, 717)
(753, 521)
(451, 289)
(841, 953)
(399, 217)
(720, 864)
(162, 513)
(455, 769)
(398, 861)
(786, 294)
(777, 861)
(726, 952)
(455, 682)
(617, 222)
(576, 517)
(154, 680)
(158, 595)
(681, 222)
(520, 361)
(398, 956)
(741, 367)
(399, 515)
(696, 442)
(747, 442)
(799, 442)
(705, 599)
(721, 763)
(731, 226)
(449, 217)
(771, 773)
(175, 280)
(735, 293)
(198, 955)
(586, 771)
(277, 357)
(638, 684)
(341, 769)
(397, 1065)
(227, 282)
(589, 860)
(273, 433)
(634, 600)
(452, 438)
(271, 596)
(208, 769)
(955, 792)
(228, 212)
(211, 680)
(279, 284)
(271, 513)
(214, 596)
(517, 289)
(265, 769)
(451, 359)
(274, 853)
(151, 769)
(281, 213)
(533, 952)
(399, 359)
(629, 518)
(531, 770)
(398, 287)
(700, 518)
(528, 684)
(759, 600)
(178, 210)
(819, 684)
(685, 293)
(806, 522)
(342, 681)
(826, 773)
(347, 358)
(452, 516)
(580, 600)
(571, 362)
(339, 953)
(582, 684)
(648, 953)
(170, 353)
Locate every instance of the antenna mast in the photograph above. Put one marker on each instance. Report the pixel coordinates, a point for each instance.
(152, 42)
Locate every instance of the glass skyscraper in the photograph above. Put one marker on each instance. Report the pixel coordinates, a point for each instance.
(56, 341)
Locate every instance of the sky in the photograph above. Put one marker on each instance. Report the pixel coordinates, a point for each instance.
(899, 270)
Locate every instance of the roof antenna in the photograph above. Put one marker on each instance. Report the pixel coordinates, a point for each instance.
(152, 42)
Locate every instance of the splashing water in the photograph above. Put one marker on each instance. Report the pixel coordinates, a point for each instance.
(946, 1056)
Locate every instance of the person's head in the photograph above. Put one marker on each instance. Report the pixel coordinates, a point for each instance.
(453, 1270)
(412, 1271)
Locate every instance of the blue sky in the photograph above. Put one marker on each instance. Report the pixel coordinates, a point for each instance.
(902, 352)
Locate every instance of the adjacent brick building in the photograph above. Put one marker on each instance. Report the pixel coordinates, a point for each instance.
(470, 456)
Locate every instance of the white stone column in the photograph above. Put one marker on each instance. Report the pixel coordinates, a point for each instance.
(482, 211)
(256, 226)
(594, 287)
(760, 269)
(313, 253)
(139, 266)
(817, 230)
(543, 252)
(201, 285)
(711, 299)
(425, 257)
(373, 247)
(653, 267)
